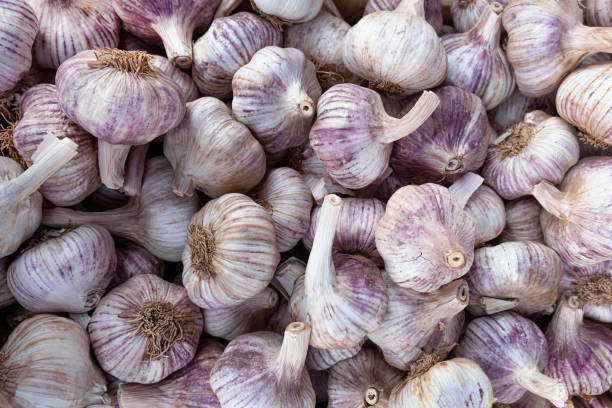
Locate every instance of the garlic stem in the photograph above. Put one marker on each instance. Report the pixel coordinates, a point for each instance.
(489, 26)
(398, 128)
(292, 355)
(306, 107)
(463, 188)
(583, 39)
(371, 397)
(134, 169)
(546, 387)
(264, 299)
(568, 319)
(452, 298)
(177, 41)
(412, 7)
(494, 305)
(111, 161)
(551, 199)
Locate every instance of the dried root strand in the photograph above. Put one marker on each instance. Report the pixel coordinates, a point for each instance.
(202, 244)
(275, 21)
(596, 289)
(588, 139)
(418, 367)
(385, 86)
(518, 140)
(261, 200)
(133, 62)
(294, 159)
(7, 148)
(9, 100)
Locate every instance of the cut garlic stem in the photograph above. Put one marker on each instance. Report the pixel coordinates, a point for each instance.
(463, 188)
(551, 199)
(428, 102)
(582, 38)
(544, 386)
(177, 45)
(292, 355)
(494, 305)
(134, 170)
(111, 161)
(371, 397)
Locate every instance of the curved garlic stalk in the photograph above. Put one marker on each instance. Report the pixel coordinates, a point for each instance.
(276, 95)
(433, 10)
(489, 214)
(593, 287)
(598, 13)
(575, 222)
(351, 286)
(522, 221)
(353, 135)
(183, 80)
(512, 351)
(157, 219)
(280, 11)
(466, 13)
(6, 297)
(513, 108)
(133, 259)
(274, 366)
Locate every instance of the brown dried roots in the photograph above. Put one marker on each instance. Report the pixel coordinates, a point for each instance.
(586, 138)
(202, 245)
(596, 289)
(418, 367)
(294, 159)
(134, 62)
(517, 141)
(7, 148)
(275, 21)
(385, 86)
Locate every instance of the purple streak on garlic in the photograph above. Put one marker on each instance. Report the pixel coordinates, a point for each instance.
(513, 108)
(512, 351)
(593, 287)
(598, 13)
(229, 44)
(280, 11)
(353, 135)
(6, 297)
(433, 10)
(145, 329)
(466, 13)
(183, 80)
(452, 142)
(41, 116)
(489, 214)
(576, 220)
(132, 260)
(522, 221)
(323, 359)
(276, 95)
(69, 27)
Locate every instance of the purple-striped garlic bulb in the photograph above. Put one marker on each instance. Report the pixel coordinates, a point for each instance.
(18, 29)
(183, 80)
(353, 135)
(350, 286)
(477, 62)
(445, 337)
(596, 401)
(426, 238)
(212, 152)
(6, 297)
(41, 116)
(229, 44)
(281, 11)
(513, 108)
(579, 351)
(592, 285)
(285, 195)
(418, 60)
(576, 217)
(231, 252)
(275, 368)
(171, 23)
(523, 276)
(68, 271)
(187, 387)
(365, 380)
(389, 186)
(145, 329)
(157, 218)
(540, 147)
(512, 351)
(69, 27)
(598, 13)
(433, 10)
(133, 259)
(489, 214)
(276, 95)
(20, 201)
(523, 221)
(452, 142)
(546, 40)
(412, 318)
(466, 13)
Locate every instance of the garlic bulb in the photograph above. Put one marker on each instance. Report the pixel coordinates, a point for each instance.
(418, 60)
(598, 13)
(445, 337)
(280, 11)
(323, 359)
(20, 202)
(575, 221)
(389, 186)
(592, 287)
(466, 13)
(522, 221)
(477, 62)
(412, 318)
(583, 99)
(231, 252)
(522, 276)
(275, 95)
(579, 351)
(6, 297)
(546, 40)
(513, 108)
(512, 351)
(273, 367)
(452, 142)
(362, 381)
(229, 44)
(599, 401)
(69, 27)
(350, 286)
(433, 10)
(489, 214)
(353, 135)
(212, 152)
(46, 363)
(183, 80)
(18, 28)
(170, 23)
(287, 198)
(145, 329)
(41, 116)
(157, 219)
(132, 259)
(541, 147)
(249, 316)
(188, 387)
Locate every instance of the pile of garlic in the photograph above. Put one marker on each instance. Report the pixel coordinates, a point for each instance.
(305, 203)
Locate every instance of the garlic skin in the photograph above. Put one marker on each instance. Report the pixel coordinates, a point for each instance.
(188, 387)
(353, 135)
(46, 362)
(231, 252)
(489, 214)
(145, 329)
(18, 29)
(577, 98)
(285, 276)
(212, 152)
(274, 367)
(446, 336)
(229, 44)
(522, 221)
(323, 359)
(70, 27)
(575, 220)
(41, 116)
(276, 95)
(598, 13)
(512, 351)
(590, 285)
(183, 80)
(466, 13)
(513, 108)
(6, 297)
(452, 142)
(523, 276)
(364, 380)
(541, 147)
(288, 12)
(133, 259)
(477, 62)
(598, 401)
(433, 10)
(389, 186)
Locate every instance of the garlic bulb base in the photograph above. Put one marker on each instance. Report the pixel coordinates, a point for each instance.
(493, 305)
(551, 199)
(542, 385)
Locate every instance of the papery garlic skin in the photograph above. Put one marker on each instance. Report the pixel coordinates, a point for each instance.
(18, 29)
(465, 14)
(589, 284)
(523, 221)
(598, 13)
(276, 95)
(323, 359)
(6, 297)
(599, 401)
(489, 214)
(183, 80)
(229, 44)
(69, 27)
(290, 12)
(133, 259)
(433, 10)
(513, 108)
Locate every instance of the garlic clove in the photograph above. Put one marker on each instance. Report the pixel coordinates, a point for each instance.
(513, 108)
(133, 259)
(279, 11)
(489, 214)
(466, 13)
(6, 297)
(433, 10)
(593, 287)
(522, 221)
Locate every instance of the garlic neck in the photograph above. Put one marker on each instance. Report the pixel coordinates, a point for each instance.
(176, 36)
(395, 129)
(111, 162)
(494, 305)
(264, 300)
(583, 39)
(298, 99)
(450, 299)
(465, 187)
(568, 319)
(371, 397)
(412, 7)
(292, 355)
(546, 387)
(552, 200)
(134, 170)
(489, 27)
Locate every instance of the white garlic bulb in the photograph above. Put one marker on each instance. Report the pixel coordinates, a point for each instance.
(466, 13)
(433, 10)
(296, 11)
(183, 80)
(489, 214)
